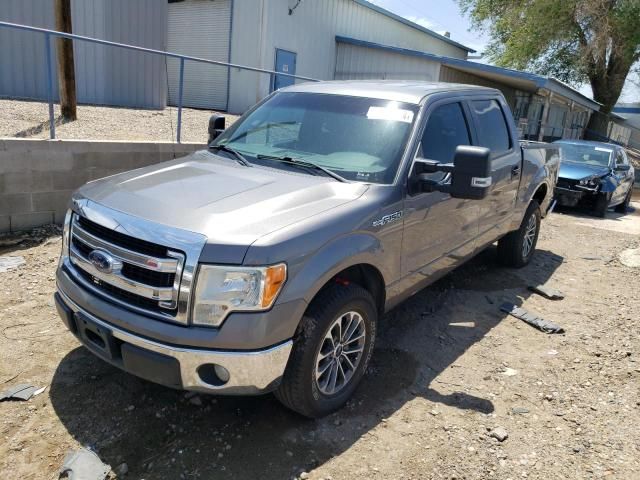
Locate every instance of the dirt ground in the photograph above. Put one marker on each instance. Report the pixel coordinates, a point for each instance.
(31, 120)
(448, 368)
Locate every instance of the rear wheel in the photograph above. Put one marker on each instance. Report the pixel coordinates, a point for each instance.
(624, 206)
(516, 248)
(331, 351)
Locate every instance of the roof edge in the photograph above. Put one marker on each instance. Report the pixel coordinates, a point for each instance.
(411, 24)
(539, 81)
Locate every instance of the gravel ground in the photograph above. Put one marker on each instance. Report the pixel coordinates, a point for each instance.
(31, 120)
(456, 390)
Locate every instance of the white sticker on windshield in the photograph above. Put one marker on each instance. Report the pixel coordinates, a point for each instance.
(393, 114)
(600, 149)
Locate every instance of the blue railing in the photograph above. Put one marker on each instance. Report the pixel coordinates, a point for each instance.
(49, 67)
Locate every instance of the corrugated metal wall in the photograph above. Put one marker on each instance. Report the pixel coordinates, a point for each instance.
(261, 26)
(104, 75)
(362, 63)
(208, 25)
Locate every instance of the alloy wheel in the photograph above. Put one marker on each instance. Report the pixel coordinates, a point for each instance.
(529, 235)
(340, 353)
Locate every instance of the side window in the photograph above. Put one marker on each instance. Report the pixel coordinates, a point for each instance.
(493, 132)
(620, 158)
(446, 128)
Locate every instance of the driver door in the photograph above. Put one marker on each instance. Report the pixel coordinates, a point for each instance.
(439, 230)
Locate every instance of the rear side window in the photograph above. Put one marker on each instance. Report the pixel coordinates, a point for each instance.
(492, 126)
(446, 128)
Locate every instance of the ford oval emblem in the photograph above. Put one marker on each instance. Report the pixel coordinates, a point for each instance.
(102, 261)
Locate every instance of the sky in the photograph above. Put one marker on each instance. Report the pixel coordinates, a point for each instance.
(445, 15)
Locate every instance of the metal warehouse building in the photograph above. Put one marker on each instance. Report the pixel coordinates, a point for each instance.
(322, 39)
(288, 36)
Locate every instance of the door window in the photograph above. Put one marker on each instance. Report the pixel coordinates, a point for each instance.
(446, 128)
(444, 131)
(493, 132)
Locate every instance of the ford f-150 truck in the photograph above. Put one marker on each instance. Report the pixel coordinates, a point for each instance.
(264, 262)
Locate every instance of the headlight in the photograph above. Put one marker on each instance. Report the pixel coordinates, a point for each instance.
(590, 181)
(221, 290)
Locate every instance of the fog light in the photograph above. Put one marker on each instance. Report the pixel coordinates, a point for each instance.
(213, 374)
(222, 373)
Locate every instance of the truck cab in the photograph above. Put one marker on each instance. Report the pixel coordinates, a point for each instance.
(264, 262)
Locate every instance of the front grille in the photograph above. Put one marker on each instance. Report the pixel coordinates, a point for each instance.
(149, 277)
(122, 295)
(122, 240)
(564, 183)
(133, 272)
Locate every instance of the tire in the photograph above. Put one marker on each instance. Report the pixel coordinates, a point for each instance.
(512, 251)
(601, 206)
(624, 206)
(301, 389)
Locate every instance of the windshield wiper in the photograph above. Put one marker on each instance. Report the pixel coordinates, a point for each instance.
(303, 164)
(239, 157)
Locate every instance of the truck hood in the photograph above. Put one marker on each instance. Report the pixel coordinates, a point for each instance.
(578, 171)
(231, 204)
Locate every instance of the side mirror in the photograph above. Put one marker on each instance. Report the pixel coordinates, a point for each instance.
(622, 168)
(470, 173)
(216, 126)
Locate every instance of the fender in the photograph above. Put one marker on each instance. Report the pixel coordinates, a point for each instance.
(609, 184)
(308, 276)
(540, 167)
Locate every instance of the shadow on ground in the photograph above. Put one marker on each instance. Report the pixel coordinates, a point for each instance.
(161, 434)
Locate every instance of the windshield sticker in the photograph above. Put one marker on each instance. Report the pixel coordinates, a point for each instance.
(393, 114)
(600, 149)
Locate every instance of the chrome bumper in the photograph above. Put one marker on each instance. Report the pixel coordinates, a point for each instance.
(250, 372)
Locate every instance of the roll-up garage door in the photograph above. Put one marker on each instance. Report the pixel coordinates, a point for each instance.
(199, 28)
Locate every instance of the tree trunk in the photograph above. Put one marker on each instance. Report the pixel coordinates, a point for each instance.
(66, 72)
(606, 84)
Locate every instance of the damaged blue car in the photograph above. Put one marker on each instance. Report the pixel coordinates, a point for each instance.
(594, 175)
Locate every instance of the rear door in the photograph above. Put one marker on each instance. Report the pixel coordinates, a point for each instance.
(495, 131)
(439, 229)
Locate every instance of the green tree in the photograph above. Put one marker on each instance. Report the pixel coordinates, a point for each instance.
(594, 41)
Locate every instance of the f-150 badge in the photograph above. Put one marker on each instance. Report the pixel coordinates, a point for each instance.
(392, 217)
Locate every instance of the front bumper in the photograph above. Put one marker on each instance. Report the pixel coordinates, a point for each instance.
(249, 372)
(568, 197)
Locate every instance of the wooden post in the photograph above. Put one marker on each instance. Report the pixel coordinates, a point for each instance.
(66, 72)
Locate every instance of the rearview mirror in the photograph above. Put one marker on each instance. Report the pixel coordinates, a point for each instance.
(470, 173)
(622, 168)
(216, 126)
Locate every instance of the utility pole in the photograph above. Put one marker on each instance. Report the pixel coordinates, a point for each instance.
(66, 72)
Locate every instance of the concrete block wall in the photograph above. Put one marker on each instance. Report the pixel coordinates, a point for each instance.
(37, 177)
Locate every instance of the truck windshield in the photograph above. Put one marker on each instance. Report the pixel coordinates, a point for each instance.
(589, 154)
(361, 139)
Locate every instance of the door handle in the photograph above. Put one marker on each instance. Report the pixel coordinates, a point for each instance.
(515, 171)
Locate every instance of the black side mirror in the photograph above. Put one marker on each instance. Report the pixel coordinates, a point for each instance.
(470, 173)
(216, 126)
(622, 168)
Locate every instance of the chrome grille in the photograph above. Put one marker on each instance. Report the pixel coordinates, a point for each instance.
(141, 275)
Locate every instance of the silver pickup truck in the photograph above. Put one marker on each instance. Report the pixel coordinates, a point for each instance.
(264, 262)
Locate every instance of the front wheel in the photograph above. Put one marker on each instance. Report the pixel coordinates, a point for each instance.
(516, 248)
(601, 205)
(331, 351)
